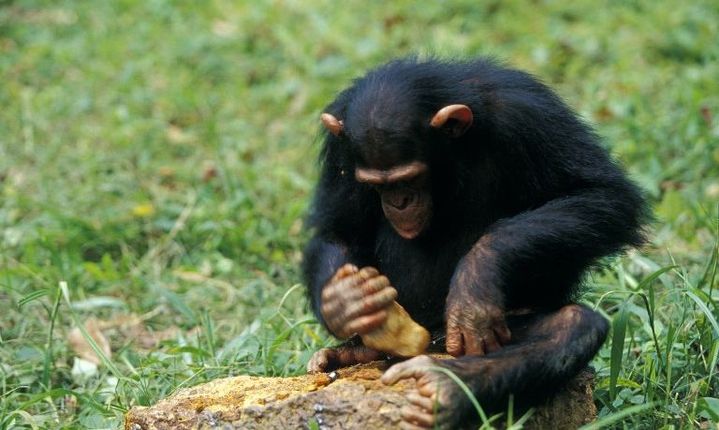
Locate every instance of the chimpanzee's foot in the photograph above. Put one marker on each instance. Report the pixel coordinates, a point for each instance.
(547, 349)
(437, 399)
(328, 359)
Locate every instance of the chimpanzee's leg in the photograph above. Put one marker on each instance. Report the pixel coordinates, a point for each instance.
(546, 350)
(351, 352)
(354, 352)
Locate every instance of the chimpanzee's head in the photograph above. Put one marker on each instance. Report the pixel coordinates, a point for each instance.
(390, 137)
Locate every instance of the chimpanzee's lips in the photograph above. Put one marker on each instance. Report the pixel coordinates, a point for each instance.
(411, 220)
(408, 234)
(409, 229)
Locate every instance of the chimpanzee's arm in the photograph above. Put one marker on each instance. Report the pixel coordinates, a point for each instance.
(565, 204)
(343, 218)
(322, 258)
(331, 265)
(347, 295)
(571, 203)
(536, 257)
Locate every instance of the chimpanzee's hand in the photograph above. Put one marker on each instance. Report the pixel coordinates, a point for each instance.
(355, 301)
(475, 326)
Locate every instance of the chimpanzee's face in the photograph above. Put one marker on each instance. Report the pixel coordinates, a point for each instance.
(405, 194)
(389, 146)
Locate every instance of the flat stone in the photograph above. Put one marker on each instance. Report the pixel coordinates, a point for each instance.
(351, 398)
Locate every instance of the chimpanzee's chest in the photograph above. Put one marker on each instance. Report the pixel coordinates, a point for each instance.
(421, 272)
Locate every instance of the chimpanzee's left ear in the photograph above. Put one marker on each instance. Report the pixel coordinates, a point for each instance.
(455, 120)
(332, 124)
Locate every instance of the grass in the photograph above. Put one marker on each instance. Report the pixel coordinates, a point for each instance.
(156, 162)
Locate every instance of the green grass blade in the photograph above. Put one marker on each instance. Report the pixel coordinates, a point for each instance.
(702, 305)
(619, 328)
(32, 297)
(617, 416)
(466, 390)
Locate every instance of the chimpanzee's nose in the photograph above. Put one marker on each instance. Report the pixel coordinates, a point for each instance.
(400, 199)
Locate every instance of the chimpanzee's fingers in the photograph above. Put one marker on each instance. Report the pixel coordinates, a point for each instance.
(336, 326)
(405, 425)
(420, 401)
(333, 312)
(344, 290)
(339, 288)
(503, 334)
(491, 342)
(453, 343)
(344, 271)
(365, 324)
(473, 343)
(373, 285)
(368, 273)
(417, 417)
(347, 286)
(413, 368)
(429, 390)
(372, 303)
(320, 360)
(356, 293)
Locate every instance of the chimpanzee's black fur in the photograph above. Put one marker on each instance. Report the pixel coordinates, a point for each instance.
(529, 175)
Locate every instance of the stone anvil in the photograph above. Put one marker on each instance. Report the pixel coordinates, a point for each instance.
(350, 398)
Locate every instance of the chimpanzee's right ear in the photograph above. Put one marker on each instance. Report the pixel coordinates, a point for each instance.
(332, 124)
(455, 120)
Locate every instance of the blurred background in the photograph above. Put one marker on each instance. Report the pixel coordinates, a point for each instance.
(157, 158)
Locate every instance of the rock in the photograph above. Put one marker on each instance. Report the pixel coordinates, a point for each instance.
(350, 398)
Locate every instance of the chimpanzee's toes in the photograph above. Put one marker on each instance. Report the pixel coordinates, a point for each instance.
(413, 368)
(405, 425)
(419, 411)
(320, 361)
(436, 401)
(419, 401)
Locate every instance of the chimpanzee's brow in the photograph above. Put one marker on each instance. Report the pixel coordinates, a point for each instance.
(403, 172)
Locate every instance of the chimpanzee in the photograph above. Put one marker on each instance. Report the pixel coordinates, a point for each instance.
(473, 196)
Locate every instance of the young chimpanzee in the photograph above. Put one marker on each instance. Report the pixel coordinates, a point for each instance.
(472, 195)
